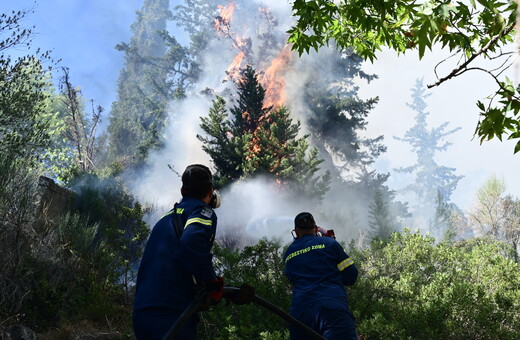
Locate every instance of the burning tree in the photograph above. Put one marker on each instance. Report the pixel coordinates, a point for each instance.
(321, 94)
(259, 140)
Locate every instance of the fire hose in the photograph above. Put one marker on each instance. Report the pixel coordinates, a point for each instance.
(228, 291)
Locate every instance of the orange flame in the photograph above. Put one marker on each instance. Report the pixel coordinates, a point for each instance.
(272, 78)
(225, 15)
(233, 69)
(242, 44)
(223, 28)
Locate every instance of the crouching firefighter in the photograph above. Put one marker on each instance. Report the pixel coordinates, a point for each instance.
(318, 269)
(177, 261)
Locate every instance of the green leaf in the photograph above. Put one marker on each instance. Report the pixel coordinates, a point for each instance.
(517, 147)
(422, 48)
(515, 106)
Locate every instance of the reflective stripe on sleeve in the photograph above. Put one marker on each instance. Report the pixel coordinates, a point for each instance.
(178, 211)
(168, 213)
(198, 220)
(345, 263)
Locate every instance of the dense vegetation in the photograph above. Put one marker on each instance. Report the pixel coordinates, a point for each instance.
(69, 262)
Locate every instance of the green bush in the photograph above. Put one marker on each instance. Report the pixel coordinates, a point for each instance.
(121, 229)
(411, 287)
(73, 282)
(18, 239)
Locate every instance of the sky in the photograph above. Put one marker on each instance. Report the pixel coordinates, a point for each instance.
(83, 35)
(454, 102)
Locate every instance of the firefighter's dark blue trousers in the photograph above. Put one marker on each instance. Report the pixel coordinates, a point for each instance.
(154, 323)
(332, 324)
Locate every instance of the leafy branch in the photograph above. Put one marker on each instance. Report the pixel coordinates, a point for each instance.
(463, 67)
(470, 29)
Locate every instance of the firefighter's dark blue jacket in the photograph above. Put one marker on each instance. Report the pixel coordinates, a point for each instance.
(318, 268)
(170, 265)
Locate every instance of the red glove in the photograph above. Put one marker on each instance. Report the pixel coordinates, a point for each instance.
(216, 289)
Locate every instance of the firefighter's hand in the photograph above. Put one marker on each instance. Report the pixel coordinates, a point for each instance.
(212, 291)
(215, 289)
(243, 296)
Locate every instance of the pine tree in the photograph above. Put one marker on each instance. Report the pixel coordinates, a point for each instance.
(260, 141)
(157, 69)
(431, 179)
(385, 214)
(339, 116)
(442, 222)
(276, 150)
(380, 217)
(139, 109)
(249, 112)
(196, 16)
(223, 146)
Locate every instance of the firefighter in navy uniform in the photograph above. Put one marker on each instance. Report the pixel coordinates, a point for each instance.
(318, 269)
(177, 260)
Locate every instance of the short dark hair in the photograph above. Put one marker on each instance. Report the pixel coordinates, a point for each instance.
(196, 181)
(304, 220)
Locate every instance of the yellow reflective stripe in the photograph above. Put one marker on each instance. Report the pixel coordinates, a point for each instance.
(345, 263)
(198, 220)
(178, 211)
(168, 213)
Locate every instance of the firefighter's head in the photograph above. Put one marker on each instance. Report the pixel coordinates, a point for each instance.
(304, 224)
(197, 182)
